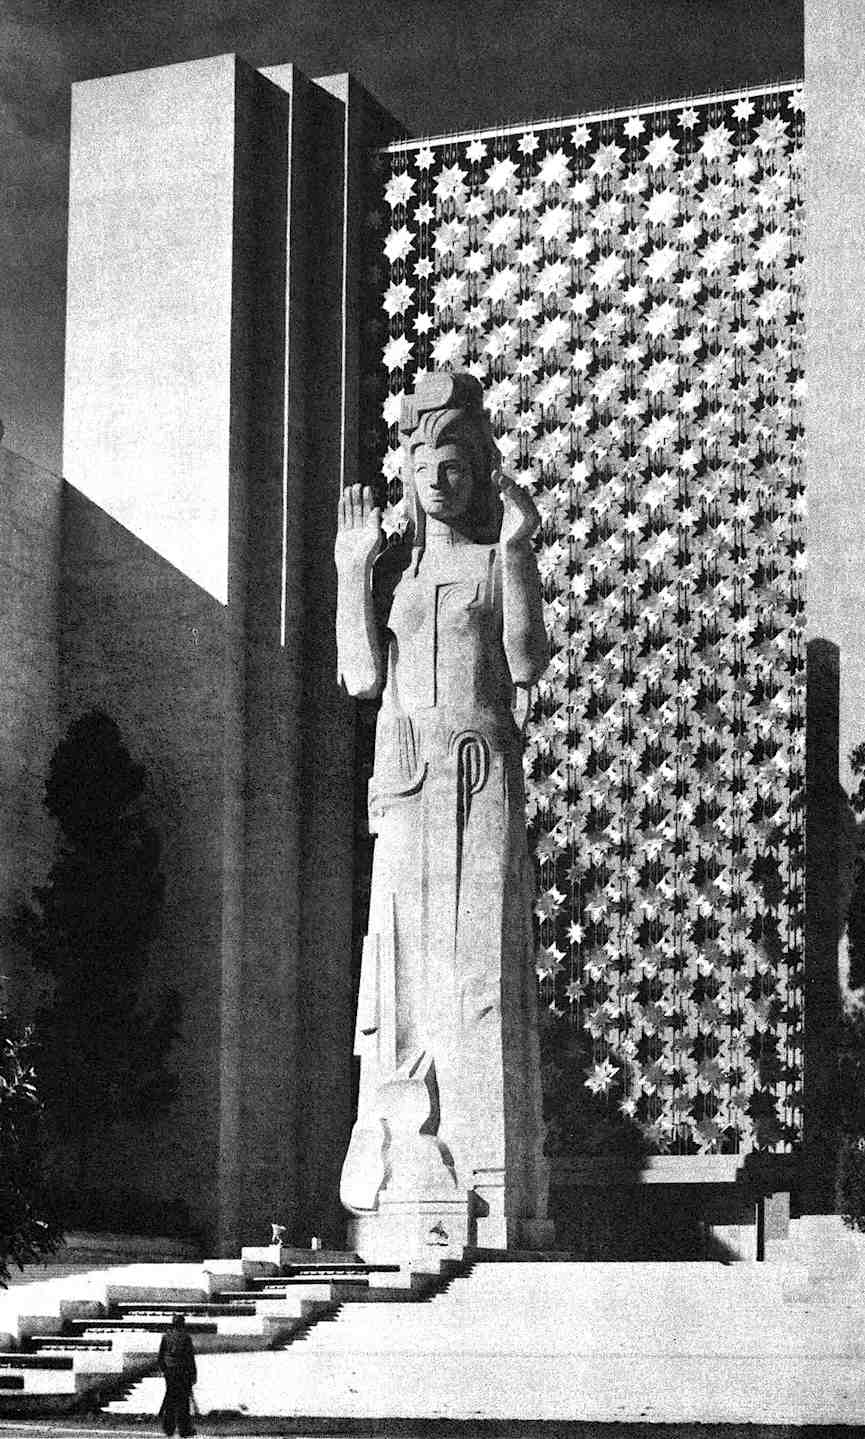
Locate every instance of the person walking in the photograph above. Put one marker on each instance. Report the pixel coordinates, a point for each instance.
(177, 1366)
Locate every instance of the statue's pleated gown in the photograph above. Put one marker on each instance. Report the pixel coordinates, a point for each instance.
(450, 1098)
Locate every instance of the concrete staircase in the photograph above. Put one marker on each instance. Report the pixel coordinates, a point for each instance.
(562, 1341)
(72, 1341)
(334, 1343)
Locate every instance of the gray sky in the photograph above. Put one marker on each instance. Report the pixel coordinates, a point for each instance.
(436, 64)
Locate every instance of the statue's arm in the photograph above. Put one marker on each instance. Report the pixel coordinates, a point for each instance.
(524, 635)
(360, 656)
(525, 638)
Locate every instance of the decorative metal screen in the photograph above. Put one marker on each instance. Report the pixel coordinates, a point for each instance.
(628, 289)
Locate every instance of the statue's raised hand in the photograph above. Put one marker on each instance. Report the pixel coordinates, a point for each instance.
(359, 535)
(520, 518)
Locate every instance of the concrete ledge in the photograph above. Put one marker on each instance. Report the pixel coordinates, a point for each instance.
(768, 1171)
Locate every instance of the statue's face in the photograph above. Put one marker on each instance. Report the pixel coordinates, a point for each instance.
(443, 478)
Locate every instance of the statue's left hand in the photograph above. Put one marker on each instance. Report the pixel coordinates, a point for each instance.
(520, 518)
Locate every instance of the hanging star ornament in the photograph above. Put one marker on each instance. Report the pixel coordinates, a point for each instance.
(629, 293)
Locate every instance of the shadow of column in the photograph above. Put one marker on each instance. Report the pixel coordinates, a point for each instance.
(822, 997)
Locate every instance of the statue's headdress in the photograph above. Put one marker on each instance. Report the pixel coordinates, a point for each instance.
(444, 407)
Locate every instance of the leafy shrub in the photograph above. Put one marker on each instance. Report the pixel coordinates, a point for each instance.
(29, 1226)
(850, 1181)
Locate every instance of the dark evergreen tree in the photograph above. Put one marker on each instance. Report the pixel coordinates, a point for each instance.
(105, 1033)
(856, 910)
(29, 1228)
(850, 1172)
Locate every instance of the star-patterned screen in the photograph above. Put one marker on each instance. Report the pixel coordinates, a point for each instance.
(628, 290)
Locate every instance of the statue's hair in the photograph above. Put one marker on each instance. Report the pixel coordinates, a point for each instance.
(449, 407)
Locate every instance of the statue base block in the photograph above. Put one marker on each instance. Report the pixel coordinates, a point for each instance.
(412, 1230)
(282, 1256)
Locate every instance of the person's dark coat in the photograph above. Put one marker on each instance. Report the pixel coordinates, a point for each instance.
(176, 1361)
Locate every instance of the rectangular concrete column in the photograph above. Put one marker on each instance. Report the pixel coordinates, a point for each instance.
(207, 413)
(337, 127)
(835, 432)
(263, 674)
(176, 428)
(149, 307)
(835, 353)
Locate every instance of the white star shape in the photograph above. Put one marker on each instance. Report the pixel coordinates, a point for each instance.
(398, 244)
(396, 352)
(500, 175)
(607, 159)
(715, 144)
(392, 408)
(399, 188)
(448, 347)
(554, 169)
(450, 182)
(661, 150)
(397, 298)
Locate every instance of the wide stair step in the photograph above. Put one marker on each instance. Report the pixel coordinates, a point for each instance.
(290, 1281)
(17, 1360)
(67, 1343)
(145, 1323)
(240, 1304)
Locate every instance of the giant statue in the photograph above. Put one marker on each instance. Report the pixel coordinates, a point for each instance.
(447, 1148)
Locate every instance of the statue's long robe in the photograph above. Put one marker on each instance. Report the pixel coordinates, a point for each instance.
(446, 1024)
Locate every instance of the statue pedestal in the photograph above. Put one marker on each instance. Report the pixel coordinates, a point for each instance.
(432, 1229)
(413, 1230)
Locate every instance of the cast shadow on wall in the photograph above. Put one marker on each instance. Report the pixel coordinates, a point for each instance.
(103, 1030)
(830, 825)
(140, 642)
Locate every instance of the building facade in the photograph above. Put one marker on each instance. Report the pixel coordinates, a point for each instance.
(259, 265)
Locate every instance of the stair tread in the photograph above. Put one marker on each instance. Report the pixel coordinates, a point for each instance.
(186, 1308)
(80, 1326)
(22, 1360)
(42, 1342)
(264, 1281)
